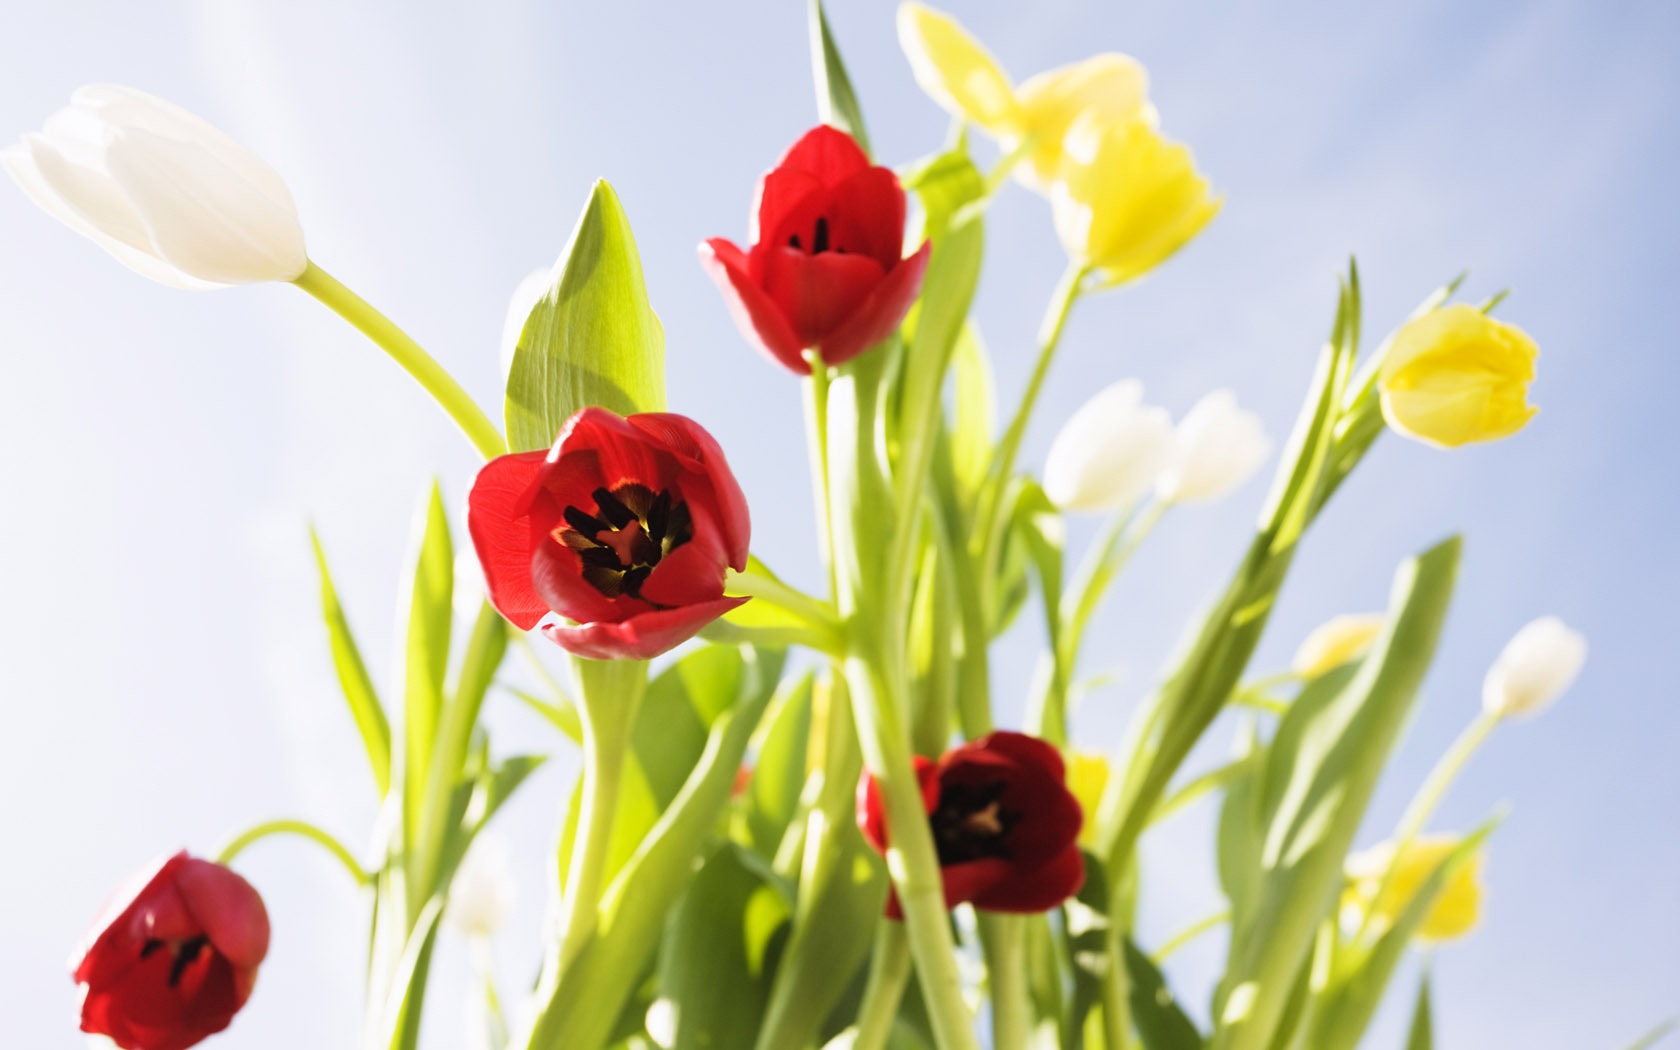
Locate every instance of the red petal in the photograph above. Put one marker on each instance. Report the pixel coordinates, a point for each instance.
(871, 810)
(624, 453)
(819, 293)
(1039, 889)
(868, 210)
(689, 575)
(1027, 750)
(878, 316)
(109, 945)
(974, 879)
(694, 444)
(757, 316)
(498, 506)
(826, 152)
(780, 193)
(557, 574)
(228, 909)
(641, 637)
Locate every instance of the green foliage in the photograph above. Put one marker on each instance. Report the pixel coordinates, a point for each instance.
(1422, 1034)
(837, 103)
(353, 678)
(593, 338)
(1161, 1023)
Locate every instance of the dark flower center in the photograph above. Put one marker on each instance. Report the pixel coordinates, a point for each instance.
(186, 953)
(970, 823)
(819, 240)
(630, 531)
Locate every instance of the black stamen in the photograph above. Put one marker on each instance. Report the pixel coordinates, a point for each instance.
(659, 517)
(820, 244)
(583, 523)
(601, 558)
(151, 945)
(612, 511)
(793, 242)
(634, 579)
(184, 957)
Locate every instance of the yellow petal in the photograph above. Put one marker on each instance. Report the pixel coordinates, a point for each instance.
(955, 71)
(1455, 376)
(1087, 776)
(1457, 908)
(1335, 642)
(1112, 86)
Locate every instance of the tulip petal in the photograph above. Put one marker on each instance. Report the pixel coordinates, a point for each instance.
(869, 212)
(879, 315)
(975, 879)
(1027, 751)
(955, 71)
(624, 453)
(782, 192)
(690, 441)
(641, 637)
(1115, 86)
(1039, 889)
(826, 152)
(760, 320)
(689, 575)
(498, 506)
(116, 916)
(227, 909)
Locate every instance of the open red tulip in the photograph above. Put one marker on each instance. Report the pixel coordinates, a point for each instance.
(172, 963)
(825, 270)
(627, 526)
(1004, 824)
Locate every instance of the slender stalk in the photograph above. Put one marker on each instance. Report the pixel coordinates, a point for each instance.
(889, 971)
(1002, 937)
(816, 441)
(814, 611)
(406, 352)
(611, 691)
(1196, 789)
(302, 829)
(1191, 932)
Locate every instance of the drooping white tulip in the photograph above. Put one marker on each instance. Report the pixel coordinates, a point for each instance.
(481, 895)
(1218, 445)
(1535, 667)
(162, 190)
(526, 295)
(1109, 452)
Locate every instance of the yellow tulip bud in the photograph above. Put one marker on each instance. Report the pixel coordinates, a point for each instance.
(1457, 908)
(955, 71)
(1127, 198)
(1087, 776)
(1112, 86)
(1335, 642)
(1456, 375)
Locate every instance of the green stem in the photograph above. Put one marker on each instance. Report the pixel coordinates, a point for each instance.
(1002, 937)
(816, 440)
(1190, 933)
(989, 522)
(611, 692)
(814, 611)
(303, 829)
(889, 972)
(1197, 788)
(406, 352)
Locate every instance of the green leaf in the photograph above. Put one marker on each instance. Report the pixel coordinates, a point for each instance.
(714, 958)
(353, 678)
(946, 183)
(974, 411)
(1321, 770)
(1160, 1021)
(837, 103)
(399, 1024)
(1042, 533)
(425, 659)
(563, 718)
(1422, 1035)
(1656, 1035)
(1239, 828)
(593, 339)
(778, 777)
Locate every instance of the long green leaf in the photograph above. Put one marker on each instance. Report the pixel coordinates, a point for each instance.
(353, 677)
(1160, 1021)
(1042, 533)
(593, 339)
(425, 662)
(1656, 1035)
(1422, 1034)
(778, 778)
(837, 103)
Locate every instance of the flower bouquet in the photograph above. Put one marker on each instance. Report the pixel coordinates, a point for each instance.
(798, 825)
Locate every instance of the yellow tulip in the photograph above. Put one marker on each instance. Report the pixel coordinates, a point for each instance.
(1087, 776)
(1335, 642)
(1127, 198)
(1457, 908)
(1456, 375)
(955, 71)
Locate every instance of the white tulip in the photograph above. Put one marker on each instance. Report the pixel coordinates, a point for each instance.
(481, 894)
(526, 296)
(162, 190)
(1217, 447)
(1535, 667)
(1109, 452)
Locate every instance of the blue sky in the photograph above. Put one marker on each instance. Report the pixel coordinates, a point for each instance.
(161, 452)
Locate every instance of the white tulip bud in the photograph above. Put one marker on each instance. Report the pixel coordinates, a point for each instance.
(1216, 447)
(1535, 667)
(526, 295)
(162, 190)
(481, 894)
(1109, 452)
(1335, 642)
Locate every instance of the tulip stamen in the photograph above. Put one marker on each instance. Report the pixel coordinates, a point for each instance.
(970, 823)
(185, 955)
(631, 531)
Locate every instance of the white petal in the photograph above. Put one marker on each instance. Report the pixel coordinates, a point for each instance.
(1535, 667)
(1217, 447)
(481, 894)
(202, 217)
(1109, 452)
(525, 298)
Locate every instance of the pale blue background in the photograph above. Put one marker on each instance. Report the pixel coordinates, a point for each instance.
(165, 676)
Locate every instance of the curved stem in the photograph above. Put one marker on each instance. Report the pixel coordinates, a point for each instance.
(889, 971)
(406, 352)
(1190, 933)
(303, 829)
(814, 611)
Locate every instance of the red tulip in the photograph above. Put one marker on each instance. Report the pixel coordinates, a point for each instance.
(1004, 824)
(825, 269)
(174, 962)
(627, 526)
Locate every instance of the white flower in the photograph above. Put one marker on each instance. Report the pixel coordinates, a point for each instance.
(526, 295)
(1535, 667)
(1335, 642)
(1110, 451)
(1217, 447)
(482, 893)
(160, 189)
